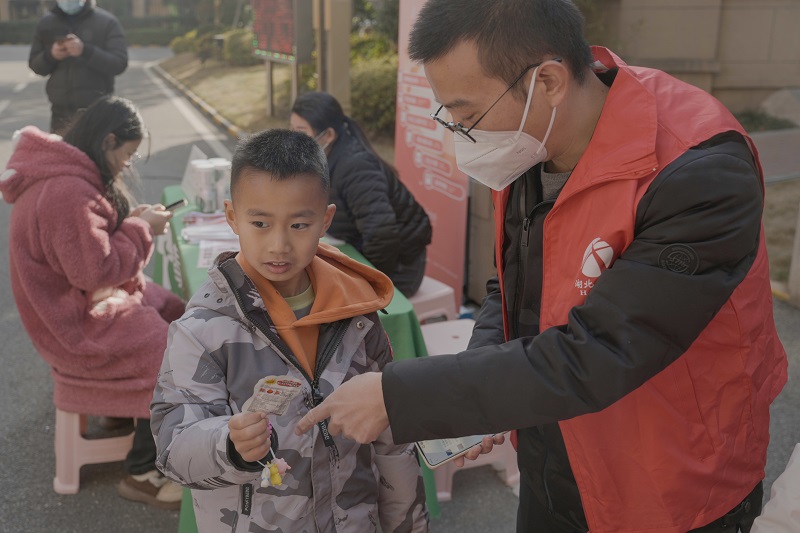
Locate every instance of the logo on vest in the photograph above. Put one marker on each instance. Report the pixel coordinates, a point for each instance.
(597, 258)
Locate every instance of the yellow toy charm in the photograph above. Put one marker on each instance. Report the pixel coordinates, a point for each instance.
(273, 472)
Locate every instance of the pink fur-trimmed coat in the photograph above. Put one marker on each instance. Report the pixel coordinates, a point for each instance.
(78, 281)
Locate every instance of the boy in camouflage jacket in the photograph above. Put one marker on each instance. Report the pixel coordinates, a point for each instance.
(285, 305)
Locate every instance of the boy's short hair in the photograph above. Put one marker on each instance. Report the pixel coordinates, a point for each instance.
(283, 154)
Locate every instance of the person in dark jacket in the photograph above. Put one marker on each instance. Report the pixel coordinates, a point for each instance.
(628, 336)
(374, 210)
(82, 48)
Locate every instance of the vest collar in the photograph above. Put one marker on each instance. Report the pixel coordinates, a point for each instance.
(623, 145)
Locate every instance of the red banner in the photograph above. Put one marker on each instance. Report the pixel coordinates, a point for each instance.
(425, 159)
(273, 24)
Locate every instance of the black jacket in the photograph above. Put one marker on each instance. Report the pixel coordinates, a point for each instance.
(710, 196)
(76, 82)
(374, 210)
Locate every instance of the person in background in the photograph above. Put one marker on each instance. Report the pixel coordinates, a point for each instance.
(82, 48)
(304, 314)
(375, 212)
(628, 336)
(77, 253)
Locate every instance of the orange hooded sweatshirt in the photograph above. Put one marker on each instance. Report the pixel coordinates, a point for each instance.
(343, 287)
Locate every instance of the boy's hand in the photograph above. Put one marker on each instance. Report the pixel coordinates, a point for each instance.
(249, 434)
(356, 410)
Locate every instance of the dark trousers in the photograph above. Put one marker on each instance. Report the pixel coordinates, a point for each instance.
(142, 457)
(407, 276)
(741, 517)
(534, 517)
(61, 118)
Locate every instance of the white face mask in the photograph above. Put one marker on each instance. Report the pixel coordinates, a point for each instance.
(497, 158)
(316, 138)
(71, 7)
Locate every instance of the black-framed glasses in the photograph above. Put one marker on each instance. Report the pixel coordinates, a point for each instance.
(460, 129)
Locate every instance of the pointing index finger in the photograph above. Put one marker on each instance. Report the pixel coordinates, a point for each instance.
(320, 412)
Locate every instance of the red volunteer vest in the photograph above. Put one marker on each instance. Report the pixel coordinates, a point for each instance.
(688, 445)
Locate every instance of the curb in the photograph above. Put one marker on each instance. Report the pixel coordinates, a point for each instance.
(231, 129)
(779, 292)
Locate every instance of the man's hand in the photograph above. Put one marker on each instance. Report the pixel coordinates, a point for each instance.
(74, 45)
(59, 51)
(485, 447)
(356, 410)
(249, 433)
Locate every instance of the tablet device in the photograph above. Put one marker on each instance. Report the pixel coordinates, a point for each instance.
(437, 452)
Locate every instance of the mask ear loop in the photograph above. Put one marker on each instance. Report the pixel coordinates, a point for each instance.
(528, 101)
(547, 134)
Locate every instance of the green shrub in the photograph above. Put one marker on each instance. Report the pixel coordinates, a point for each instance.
(754, 120)
(199, 41)
(144, 32)
(238, 48)
(373, 91)
(149, 37)
(370, 45)
(387, 20)
(183, 43)
(205, 48)
(17, 32)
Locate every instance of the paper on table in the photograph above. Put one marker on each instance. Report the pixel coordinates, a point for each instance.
(209, 250)
(330, 239)
(196, 217)
(208, 232)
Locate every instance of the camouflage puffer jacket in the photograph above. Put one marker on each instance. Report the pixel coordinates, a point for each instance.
(215, 354)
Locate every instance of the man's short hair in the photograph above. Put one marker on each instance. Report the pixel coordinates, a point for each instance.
(510, 34)
(283, 154)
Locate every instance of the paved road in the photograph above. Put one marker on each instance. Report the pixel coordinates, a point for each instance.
(28, 504)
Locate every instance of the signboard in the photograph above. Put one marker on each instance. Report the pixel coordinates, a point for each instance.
(283, 30)
(425, 160)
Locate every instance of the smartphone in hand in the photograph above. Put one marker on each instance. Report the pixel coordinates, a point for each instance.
(175, 205)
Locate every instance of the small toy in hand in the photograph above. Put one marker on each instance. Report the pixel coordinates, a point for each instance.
(273, 472)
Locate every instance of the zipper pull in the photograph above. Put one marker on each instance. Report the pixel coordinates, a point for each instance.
(526, 226)
(316, 395)
(317, 398)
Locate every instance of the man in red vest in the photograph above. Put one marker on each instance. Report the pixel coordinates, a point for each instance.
(628, 335)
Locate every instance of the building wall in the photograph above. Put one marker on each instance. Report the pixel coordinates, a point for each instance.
(739, 50)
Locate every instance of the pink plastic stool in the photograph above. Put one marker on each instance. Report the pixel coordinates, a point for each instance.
(73, 451)
(434, 301)
(503, 457)
(452, 337)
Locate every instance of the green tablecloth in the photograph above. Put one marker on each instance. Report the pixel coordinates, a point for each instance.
(175, 267)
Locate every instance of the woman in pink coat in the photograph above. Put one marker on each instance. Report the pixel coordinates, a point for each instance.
(76, 251)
